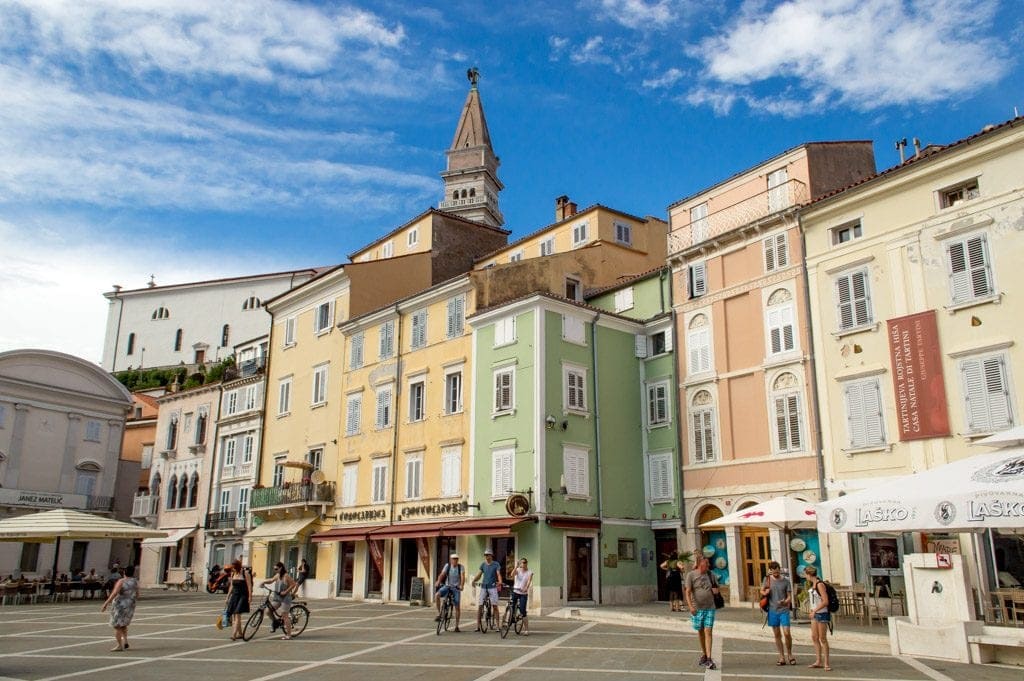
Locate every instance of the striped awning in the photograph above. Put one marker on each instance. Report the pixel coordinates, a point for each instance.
(46, 526)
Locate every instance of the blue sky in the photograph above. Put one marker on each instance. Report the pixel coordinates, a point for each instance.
(193, 139)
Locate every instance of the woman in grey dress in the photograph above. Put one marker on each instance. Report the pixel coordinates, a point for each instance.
(123, 598)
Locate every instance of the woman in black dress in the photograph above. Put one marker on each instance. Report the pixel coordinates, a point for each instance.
(674, 582)
(237, 603)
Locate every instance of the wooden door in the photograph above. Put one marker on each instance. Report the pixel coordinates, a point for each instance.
(346, 567)
(579, 568)
(755, 553)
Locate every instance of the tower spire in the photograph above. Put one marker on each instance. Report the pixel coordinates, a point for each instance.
(471, 181)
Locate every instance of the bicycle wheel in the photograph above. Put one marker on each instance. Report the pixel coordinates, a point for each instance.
(519, 623)
(506, 621)
(446, 615)
(252, 625)
(300, 618)
(489, 623)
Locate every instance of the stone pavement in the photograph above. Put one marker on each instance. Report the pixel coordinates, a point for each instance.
(173, 638)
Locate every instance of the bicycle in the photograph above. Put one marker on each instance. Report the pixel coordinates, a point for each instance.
(487, 621)
(447, 608)
(513, 619)
(189, 583)
(298, 613)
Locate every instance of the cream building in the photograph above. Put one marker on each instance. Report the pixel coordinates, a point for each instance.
(913, 275)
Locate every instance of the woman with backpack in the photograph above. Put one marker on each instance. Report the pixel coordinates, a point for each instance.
(820, 618)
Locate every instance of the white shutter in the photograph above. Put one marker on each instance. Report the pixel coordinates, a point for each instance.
(873, 416)
(986, 394)
(861, 298)
(969, 269)
(502, 472)
(698, 279)
(503, 390)
(456, 309)
(700, 350)
(845, 302)
(856, 429)
(660, 471)
(795, 436)
(769, 254)
(668, 339)
(640, 345)
(381, 409)
(997, 393)
(353, 412)
(703, 437)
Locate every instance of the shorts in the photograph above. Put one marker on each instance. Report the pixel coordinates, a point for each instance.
(493, 591)
(778, 619)
(521, 599)
(456, 594)
(823, 616)
(282, 605)
(703, 619)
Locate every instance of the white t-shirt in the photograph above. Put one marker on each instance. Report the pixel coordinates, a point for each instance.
(522, 578)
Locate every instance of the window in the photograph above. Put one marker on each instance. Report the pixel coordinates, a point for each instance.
(502, 472)
(456, 315)
(778, 197)
(986, 393)
(278, 478)
(698, 344)
(547, 247)
(624, 299)
(284, 396)
(865, 425)
(419, 329)
(131, 344)
(387, 249)
(853, 299)
(627, 549)
(659, 472)
(289, 332)
(243, 502)
(252, 303)
(355, 357)
(573, 290)
(702, 420)
(248, 443)
(353, 413)
(453, 392)
(225, 500)
(516, 257)
(970, 269)
(505, 331)
(229, 452)
(845, 233)
(574, 329)
(412, 237)
(161, 313)
(92, 431)
(451, 471)
(319, 385)
(323, 317)
(172, 493)
(576, 470)
(172, 432)
(414, 476)
(781, 330)
(231, 403)
(623, 233)
(417, 392)
(697, 278)
(386, 339)
(504, 390)
(250, 398)
(177, 340)
(315, 458)
(788, 430)
(147, 456)
(575, 389)
(960, 193)
(349, 482)
(225, 335)
(29, 557)
(380, 482)
(85, 481)
(657, 404)
(579, 234)
(383, 408)
(699, 223)
(193, 491)
(776, 252)
(660, 342)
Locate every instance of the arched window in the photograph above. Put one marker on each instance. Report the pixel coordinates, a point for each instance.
(698, 344)
(172, 432)
(224, 335)
(781, 328)
(252, 303)
(702, 427)
(787, 413)
(172, 493)
(183, 492)
(154, 483)
(464, 193)
(161, 313)
(201, 428)
(131, 344)
(472, 191)
(193, 491)
(455, 194)
(177, 340)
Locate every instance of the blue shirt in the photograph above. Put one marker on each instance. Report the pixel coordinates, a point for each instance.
(454, 575)
(490, 574)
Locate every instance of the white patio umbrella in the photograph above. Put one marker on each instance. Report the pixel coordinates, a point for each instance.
(63, 523)
(1012, 437)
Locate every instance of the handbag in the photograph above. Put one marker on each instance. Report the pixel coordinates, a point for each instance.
(764, 600)
(717, 594)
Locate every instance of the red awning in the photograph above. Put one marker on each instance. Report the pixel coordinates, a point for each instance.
(574, 523)
(489, 526)
(346, 533)
(409, 530)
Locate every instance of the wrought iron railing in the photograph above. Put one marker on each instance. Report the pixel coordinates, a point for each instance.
(294, 493)
(228, 520)
(251, 367)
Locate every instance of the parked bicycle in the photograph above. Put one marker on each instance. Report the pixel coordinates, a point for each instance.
(189, 583)
(447, 612)
(513, 619)
(487, 622)
(298, 613)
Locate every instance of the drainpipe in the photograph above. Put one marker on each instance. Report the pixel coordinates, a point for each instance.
(818, 455)
(680, 442)
(394, 436)
(597, 457)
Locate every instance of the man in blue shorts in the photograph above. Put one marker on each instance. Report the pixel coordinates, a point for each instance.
(779, 591)
(700, 596)
(490, 578)
(453, 579)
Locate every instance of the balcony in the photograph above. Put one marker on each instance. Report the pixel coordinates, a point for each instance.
(251, 367)
(242, 470)
(145, 505)
(95, 503)
(293, 494)
(230, 520)
(748, 211)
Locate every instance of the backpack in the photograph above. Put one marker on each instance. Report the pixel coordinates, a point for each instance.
(833, 597)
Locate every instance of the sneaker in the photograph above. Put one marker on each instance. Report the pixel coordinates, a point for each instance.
(702, 661)
(711, 664)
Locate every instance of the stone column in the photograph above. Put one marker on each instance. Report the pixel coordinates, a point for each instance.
(66, 483)
(732, 548)
(13, 472)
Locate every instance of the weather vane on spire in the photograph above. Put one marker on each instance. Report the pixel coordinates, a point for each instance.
(473, 75)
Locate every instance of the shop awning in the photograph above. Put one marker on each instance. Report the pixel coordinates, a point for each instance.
(279, 530)
(346, 533)
(574, 523)
(488, 526)
(409, 530)
(171, 539)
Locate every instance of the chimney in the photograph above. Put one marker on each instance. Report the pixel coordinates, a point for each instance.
(117, 288)
(564, 208)
(917, 146)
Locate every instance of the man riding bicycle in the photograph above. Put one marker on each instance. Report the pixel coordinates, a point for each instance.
(451, 580)
(490, 576)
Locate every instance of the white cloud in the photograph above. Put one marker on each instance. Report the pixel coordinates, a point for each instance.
(638, 14)
(862, 53)
(591, 52)
(666, 80)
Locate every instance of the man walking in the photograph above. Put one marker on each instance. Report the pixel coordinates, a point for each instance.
(490, 576)
(700, 596)
(779, 591)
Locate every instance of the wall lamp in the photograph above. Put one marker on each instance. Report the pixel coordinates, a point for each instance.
(550, 422)
(562, 489)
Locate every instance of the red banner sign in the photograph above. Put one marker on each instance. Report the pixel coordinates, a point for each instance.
(377, 553)
(421, 547)
(921, 408)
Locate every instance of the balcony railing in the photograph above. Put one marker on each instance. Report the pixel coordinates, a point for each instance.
(251, 367)
(229, 520)
(145, 505)
(745, 212)
(241, 470)
(95, 503)
(292, 494)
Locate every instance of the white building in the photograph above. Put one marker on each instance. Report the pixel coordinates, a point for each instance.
(61, 422)
(192, 323)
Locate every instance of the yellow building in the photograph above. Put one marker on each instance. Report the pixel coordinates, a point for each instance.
(913, 275)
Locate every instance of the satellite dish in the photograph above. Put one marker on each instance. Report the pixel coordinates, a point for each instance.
(317, 477)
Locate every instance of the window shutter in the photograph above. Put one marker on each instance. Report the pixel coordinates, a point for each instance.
(873, 413)
(781, 250)
(769, 254)
(774, 330)
(781, 424)
(380, 409)
(862, 303)
(981, 275)
(788, 339)
(855, 415)
(845, 296)
(795, 438)
(698, 279)
(700, 351)
(661, 477)
(640, 345)
(668, 339)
